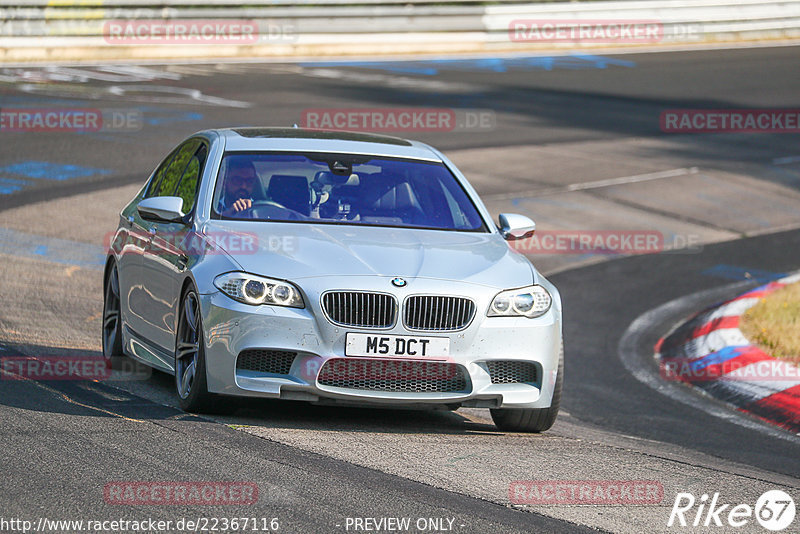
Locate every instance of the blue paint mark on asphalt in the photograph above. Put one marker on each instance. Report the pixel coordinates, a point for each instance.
(182, 117)
(51, 171)
(12, 181)
(758, 289)
(434, 66)
(734, 272)
(8, 189)
(9, 185)
(720, 356)
(155, 116)
(151, 116)
(63, 251)
(601, 62)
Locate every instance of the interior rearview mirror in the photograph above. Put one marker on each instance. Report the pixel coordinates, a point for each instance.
(515, 226)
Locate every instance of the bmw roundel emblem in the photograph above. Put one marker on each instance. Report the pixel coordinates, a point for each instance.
(399, 282)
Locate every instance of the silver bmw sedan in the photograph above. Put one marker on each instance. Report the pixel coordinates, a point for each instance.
(331, 267)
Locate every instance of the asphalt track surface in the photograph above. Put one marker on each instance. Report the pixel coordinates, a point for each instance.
(316, 466)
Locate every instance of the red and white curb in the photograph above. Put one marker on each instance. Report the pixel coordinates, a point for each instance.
(711, 353)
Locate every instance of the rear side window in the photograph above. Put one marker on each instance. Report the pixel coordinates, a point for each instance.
(179, 174)
(159, 175)
(187, 188)
(168, 182)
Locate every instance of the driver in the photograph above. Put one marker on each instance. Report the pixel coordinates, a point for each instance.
(241, 181)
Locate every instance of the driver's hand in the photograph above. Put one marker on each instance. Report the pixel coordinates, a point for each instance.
(240, 205)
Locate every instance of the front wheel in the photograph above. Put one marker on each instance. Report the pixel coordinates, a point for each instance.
(190, 361)
(112, 316)
(532, 419)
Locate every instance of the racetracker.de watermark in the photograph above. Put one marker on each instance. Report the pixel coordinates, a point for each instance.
(196, 31)
(195, 244)
(730, 121)
(70, 120)
(608, 492)
(605, 242)
(398, 119)
(600, 31)
(79, 368)
(700, 370)
(142, 493)
(379, 369)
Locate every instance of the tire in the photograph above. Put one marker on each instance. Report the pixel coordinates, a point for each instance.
(112, 316)
(190, 361)
(532, 419)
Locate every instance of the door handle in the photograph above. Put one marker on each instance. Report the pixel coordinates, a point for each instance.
(151, 233)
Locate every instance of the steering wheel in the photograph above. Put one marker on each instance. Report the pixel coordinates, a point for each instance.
(269, 209)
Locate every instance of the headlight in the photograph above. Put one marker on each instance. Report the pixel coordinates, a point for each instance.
(257, 290)
(531, 301)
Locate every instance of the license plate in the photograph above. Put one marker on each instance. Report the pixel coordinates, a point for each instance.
(392, 346)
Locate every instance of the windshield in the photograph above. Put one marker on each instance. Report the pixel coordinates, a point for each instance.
(342, 189)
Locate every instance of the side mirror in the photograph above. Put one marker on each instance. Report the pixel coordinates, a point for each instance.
(167, 209)
(514, 226)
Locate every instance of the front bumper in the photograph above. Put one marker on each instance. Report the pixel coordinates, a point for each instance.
(232, 327)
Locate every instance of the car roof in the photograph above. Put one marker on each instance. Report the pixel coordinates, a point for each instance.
(304, 140)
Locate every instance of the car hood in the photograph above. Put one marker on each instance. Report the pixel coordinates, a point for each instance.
(294, 251)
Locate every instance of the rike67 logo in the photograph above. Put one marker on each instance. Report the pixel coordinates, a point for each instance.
(774, 510)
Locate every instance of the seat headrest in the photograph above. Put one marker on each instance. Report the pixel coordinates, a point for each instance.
(386, 193)
(290, 191)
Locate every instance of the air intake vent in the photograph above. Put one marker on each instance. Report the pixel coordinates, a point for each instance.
(512, 372)
(429, 312)
(363, 310)
(277, 362)
(394, 375)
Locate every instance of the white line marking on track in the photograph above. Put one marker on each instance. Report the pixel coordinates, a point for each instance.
(597, 184)
(645, 371)
(634, 179)
(390, 80)
(140, 73)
